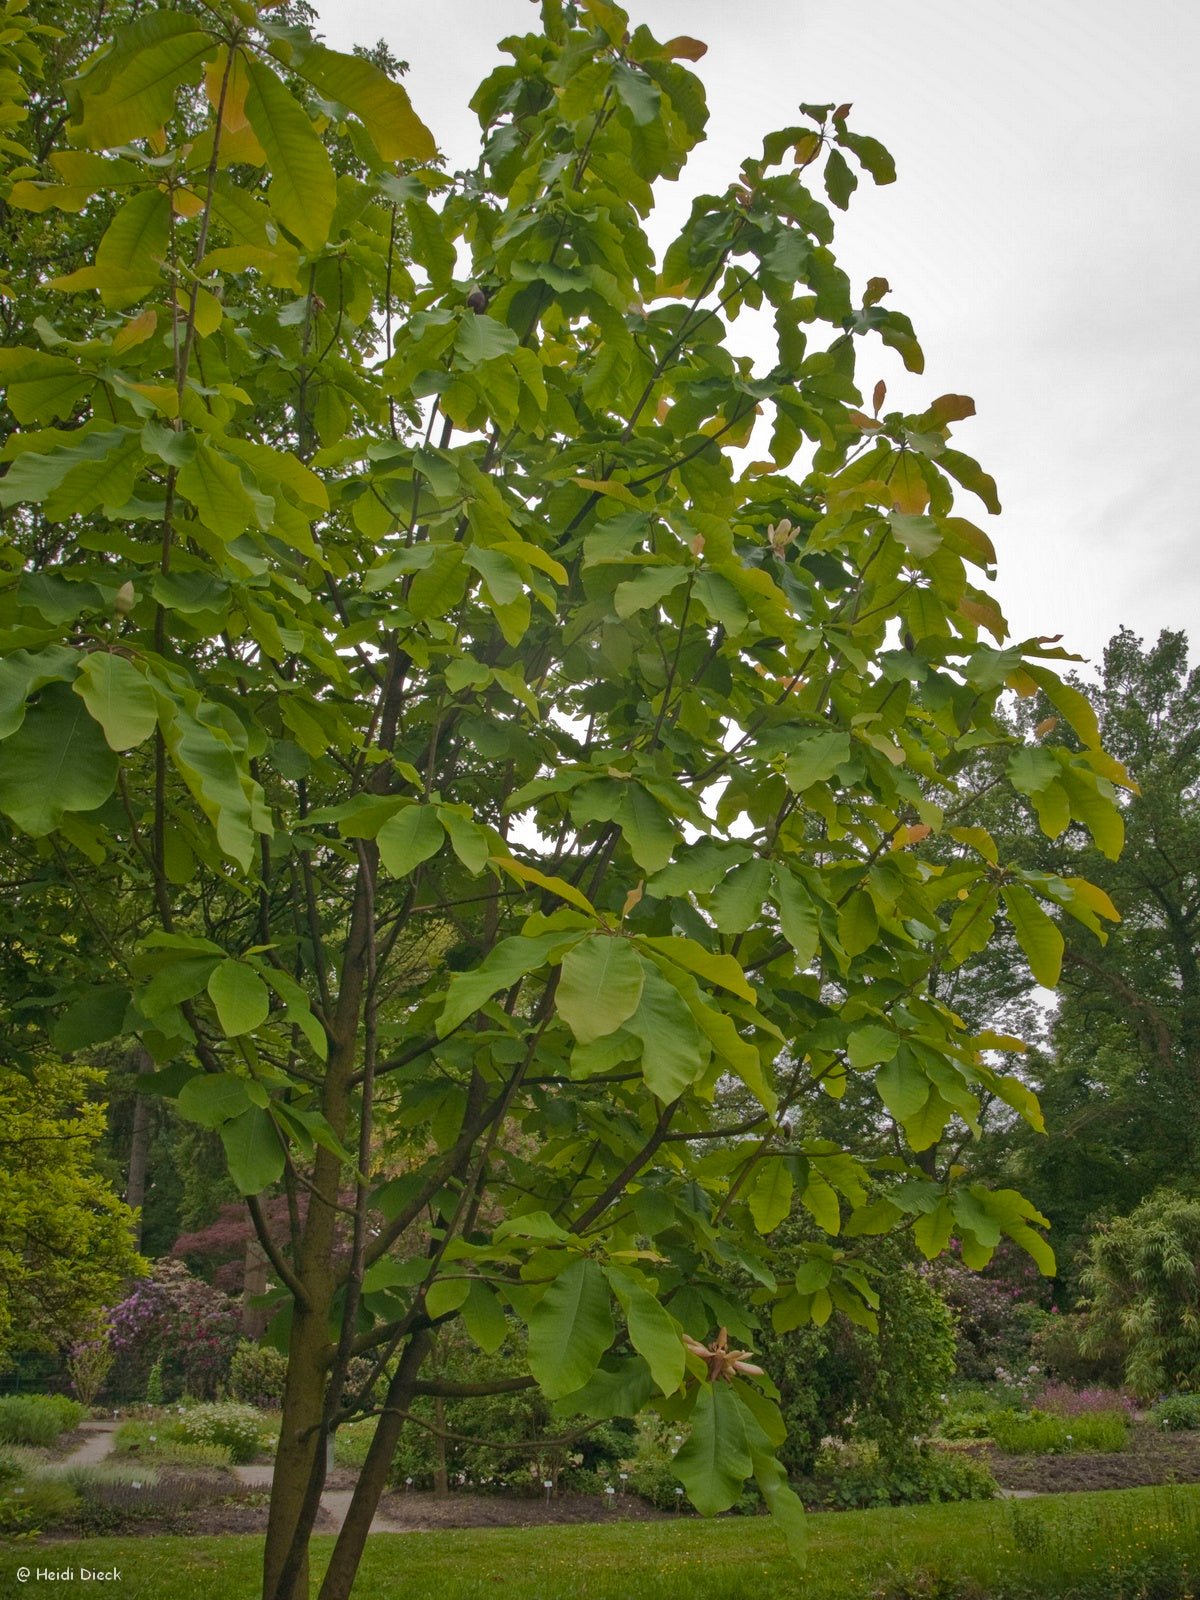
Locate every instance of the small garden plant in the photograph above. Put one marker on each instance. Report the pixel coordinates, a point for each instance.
(1177, 1413)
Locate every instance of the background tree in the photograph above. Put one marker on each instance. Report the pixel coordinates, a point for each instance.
(1117, 1067)
(66, 1241)
(465, 759)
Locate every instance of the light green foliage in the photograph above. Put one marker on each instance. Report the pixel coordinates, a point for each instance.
(37, 1418)
(65, 1244)
(1035, 1433)
(473, 644)
(1176, 1413)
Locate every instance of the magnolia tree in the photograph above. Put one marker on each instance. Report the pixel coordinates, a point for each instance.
(502, 807)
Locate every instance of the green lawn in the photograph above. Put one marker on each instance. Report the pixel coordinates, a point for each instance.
(1047, 1544)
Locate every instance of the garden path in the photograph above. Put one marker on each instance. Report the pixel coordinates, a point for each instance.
(335, 1503)
(95, 1447)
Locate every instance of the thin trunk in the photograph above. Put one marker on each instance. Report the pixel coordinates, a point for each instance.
(372, 1481)
(441, 1477)
(254, 1286)
(139, 1146)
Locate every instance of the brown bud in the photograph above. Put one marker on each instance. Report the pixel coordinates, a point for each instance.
(477, 300)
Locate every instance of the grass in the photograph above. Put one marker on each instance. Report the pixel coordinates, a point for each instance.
(1041, 1548)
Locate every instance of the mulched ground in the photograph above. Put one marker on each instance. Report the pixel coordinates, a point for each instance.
(1151, 1457)
(428, 1511)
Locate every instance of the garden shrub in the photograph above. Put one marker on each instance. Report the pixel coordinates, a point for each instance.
(650, 1466)
(1142, 1280)
(256, 1375)
(178, 1324)
(106, 1475)
(996, 1312)
(353, 1439)
(860, 1478)
(107, 1504)
(1176, 1413)
(237, 1428)
(141, 1436)
(37, 1418)
(89, 1363)
(843, 1381)
(1058, 1349)
(163, 1440)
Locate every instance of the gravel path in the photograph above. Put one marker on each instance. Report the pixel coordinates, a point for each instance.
(94, 1448)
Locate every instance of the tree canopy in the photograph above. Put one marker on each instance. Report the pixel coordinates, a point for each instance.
(502, 810)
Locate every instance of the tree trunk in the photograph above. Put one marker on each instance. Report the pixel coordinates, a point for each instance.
(372, 1480)
(441, 1478)
(139, 1145)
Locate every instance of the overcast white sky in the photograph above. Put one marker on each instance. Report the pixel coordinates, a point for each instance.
(1043, 235)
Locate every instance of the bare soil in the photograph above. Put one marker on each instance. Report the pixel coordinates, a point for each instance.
(1151, 1457)
(455, 1510)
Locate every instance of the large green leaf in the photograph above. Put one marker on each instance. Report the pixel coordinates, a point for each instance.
(208, 766)
(484, 1319)
(303, 189)
(600, 987)
(408, 837)
(815, 760)
(673, 1054)
(129, 93)
(511, 959)
(648, 830)
(770, 1194)
(56, 762)
(254, 1150)
(118, 697)
(653, 1332)
(23, 673)
(214, 486)
(737, 902)
(1037, 934)
(134, 247)
(797, 914)
(93, 1019)
(723, 970)
(240, 997)
(212, 1099)
(902, 1085)
(570, 1328)
(482, 338)
(380, 104)
(714, 1462)
(782, 1501)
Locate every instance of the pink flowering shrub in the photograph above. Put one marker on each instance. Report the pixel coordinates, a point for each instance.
(180, 1322)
